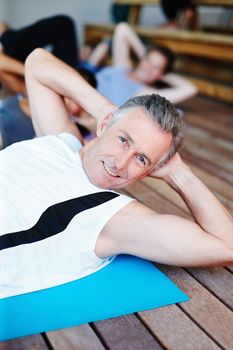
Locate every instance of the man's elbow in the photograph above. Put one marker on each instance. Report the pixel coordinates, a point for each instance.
(229, 262)
(34, 58)
(227, 256)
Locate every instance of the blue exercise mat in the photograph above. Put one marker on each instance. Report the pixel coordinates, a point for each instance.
(127, 285)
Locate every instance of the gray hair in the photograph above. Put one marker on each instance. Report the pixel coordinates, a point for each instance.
(165, 115)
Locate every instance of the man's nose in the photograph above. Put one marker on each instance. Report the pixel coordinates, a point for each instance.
(123, 160)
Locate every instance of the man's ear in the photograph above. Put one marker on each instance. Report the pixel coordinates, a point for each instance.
(102, 124)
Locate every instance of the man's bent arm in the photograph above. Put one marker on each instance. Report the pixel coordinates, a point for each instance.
(171, 239)
(207, 211)
(48, 81)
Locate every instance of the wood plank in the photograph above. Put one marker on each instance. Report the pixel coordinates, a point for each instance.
(218, 280)
(203, 105)
(216, 159)
(207, 311)
(75, 338)
(207, 165)
(217, 29)
(33, 342)
(213, 144)
(165, 191)
(153, 200)
(183, 35)
(175, 330)
(219, 188)
(218, 72)
(210, 110)
(187, 46)
(179, 35)
(212, 89)
(221, 3)
(126, 332)
(214, 127)
(213, 182)
(207, 148)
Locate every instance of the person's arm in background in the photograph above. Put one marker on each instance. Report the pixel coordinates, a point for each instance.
(179, 90)
(126, 40)
(12, 74)
(48, 81)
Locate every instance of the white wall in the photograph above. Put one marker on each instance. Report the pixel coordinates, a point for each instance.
(2, 10)
(151, 16)
(22, 12)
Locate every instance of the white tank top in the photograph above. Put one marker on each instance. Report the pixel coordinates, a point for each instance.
(50, 215)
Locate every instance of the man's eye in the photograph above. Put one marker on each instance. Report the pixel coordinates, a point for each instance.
(122, 139)
(142, 159)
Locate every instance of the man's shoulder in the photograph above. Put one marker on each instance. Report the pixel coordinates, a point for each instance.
(71, 141)
(124, 218)
(122, 226)
(48, 146)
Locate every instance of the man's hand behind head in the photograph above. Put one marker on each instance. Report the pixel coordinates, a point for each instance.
(169, 169)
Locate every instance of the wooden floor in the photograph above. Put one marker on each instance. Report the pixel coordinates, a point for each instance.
(206, 321)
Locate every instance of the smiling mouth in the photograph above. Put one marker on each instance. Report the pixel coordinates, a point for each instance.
(109, 171)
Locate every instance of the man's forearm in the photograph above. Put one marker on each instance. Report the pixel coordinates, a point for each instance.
(208, 212)
(64, 80)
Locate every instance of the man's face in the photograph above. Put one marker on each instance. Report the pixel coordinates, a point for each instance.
(126, 151)
(152, 66)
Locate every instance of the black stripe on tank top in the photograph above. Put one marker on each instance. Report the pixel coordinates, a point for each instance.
(55, 219)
